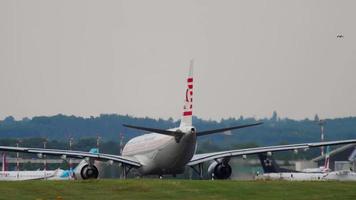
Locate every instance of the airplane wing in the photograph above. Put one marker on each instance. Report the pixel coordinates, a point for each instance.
(200, 158)
(74, 154)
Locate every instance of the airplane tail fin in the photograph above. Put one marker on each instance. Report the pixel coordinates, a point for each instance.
(4, 163)
(187, 114)
(327, 159)
(94, 150)
(269, 165)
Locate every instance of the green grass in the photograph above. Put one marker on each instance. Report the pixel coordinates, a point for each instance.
(177, 189)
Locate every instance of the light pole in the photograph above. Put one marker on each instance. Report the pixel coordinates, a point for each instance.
(123, 168)
(70, 148)
(121, 143)
(18, 157)
(70, 159)
(321, 124)
(45, 160)
(98, 139)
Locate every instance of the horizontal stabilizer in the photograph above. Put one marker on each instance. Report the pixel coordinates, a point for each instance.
(154, 130)
(226, 129)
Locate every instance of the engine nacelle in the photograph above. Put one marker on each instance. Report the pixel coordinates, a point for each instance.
(219, 170)
(85, 171)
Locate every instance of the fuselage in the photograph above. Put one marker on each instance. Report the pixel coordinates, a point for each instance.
(26, 175)
(303, 176)
(315, 170)
(292, 176)
(162, 154)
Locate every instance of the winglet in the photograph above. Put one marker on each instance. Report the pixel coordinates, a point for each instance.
(327, 159)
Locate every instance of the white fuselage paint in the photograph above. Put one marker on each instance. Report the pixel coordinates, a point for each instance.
(315, 170)
(26, 175)
(302, 176)
(162, 154)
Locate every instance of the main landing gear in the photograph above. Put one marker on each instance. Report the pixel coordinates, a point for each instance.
(125, 170)
(198, 169)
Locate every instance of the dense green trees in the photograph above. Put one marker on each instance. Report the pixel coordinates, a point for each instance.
(273, 131)
(58, 129)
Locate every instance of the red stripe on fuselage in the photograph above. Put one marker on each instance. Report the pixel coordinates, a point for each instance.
(188, 113)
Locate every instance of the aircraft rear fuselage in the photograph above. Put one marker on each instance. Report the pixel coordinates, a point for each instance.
(161, 154)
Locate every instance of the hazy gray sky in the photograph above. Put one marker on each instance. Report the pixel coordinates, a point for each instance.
(86, 57)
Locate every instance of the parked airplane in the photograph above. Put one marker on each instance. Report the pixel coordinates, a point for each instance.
(344, 175)
(6, 175)
(57, 174)
(28, 175)
(272, 171)
(168, 152)
(321, 169)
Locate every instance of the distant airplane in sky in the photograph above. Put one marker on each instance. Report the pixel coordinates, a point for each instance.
(169, 152)
(339, 36)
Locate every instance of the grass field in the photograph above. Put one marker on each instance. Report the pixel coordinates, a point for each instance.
(177, 189)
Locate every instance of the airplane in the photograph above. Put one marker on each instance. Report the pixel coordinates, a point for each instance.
(272, 171)
(6, 175)
(339, 36)
(57, 174)
(169, 152)
(321, 169)
(28, 175)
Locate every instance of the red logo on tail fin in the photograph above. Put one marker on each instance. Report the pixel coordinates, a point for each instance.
(188, 98)
(188, 113)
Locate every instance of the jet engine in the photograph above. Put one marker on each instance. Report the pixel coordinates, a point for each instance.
(219, 170)
(85, 171)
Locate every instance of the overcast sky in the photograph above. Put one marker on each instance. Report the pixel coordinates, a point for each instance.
(131, 57)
